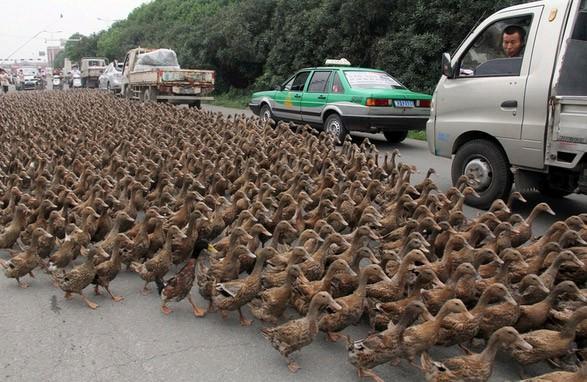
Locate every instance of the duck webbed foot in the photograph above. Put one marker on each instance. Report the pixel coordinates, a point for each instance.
(146, 290)
(243, 320)
(90, 304)
(369, 374)
(22, 284)
(198, 312)
(165, 309)
(292, 365)
(334, 337)
(114, 297)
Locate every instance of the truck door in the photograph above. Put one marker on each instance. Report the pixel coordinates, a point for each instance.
(288, 100)
(487, 90)
(315, 97)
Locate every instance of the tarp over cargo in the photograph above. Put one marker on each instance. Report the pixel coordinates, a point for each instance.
(160, 58)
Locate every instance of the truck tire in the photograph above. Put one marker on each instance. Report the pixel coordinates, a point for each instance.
(395, 136)
(197, 104)
(334, 125)
(488, 163)
(150, 95)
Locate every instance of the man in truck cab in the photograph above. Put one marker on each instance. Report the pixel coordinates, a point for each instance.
(513, 41)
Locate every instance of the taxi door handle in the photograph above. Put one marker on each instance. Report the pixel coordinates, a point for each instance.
(297, 96)
(322, 97)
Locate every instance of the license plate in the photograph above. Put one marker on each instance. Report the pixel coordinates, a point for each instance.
(403, 103)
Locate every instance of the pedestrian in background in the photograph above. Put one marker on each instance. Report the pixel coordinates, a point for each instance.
(4, 81)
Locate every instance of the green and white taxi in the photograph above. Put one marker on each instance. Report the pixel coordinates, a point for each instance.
(341, 99)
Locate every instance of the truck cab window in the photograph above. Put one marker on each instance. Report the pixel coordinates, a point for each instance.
(498, 51)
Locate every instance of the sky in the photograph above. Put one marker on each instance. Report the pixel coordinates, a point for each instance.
(20, 20)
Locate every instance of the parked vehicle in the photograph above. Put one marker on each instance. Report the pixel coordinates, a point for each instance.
(57, 82)
(526, 113)
(91, 69)
(30, 79)
(341, 99)
(76, 81)
(154, 75)
(110, 79)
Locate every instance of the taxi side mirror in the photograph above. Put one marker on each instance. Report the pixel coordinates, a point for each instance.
(277, 87)
(447, 68)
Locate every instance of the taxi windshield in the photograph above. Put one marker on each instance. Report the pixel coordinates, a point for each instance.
(360, 79)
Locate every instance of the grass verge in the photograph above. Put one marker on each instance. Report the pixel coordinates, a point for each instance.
(233, 98)
(419, 135)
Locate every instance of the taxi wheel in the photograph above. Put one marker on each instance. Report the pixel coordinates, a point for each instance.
(265, 113)
(334, 126)
(395, 136)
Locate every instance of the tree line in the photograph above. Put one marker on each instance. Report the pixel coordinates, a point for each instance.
(254, 44)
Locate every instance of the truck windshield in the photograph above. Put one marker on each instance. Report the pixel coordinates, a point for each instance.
(95, 63)
(360, 79)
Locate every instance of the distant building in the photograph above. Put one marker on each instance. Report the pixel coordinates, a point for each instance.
(52, 52)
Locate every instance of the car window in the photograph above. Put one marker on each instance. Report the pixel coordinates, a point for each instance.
(319, 81)
(498, 51)
(363, 79)
(336, 84)
(299, 82)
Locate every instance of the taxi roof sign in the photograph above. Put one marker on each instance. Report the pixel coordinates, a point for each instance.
(340, 62)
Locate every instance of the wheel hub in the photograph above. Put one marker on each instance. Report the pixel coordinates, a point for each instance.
(481, 171)
(266, 115)
(334, 128)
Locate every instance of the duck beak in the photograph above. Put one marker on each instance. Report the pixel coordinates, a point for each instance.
(334, 306)
(498, 260)
(469, 315)
(251, 255)
(373, 259)
(523, 345)
(212, 249)
(508, 298)
(506, 209)
(374, 236)
(248, 237)
(579, 263)
(581, 241)
(550, 211)
(437, 283)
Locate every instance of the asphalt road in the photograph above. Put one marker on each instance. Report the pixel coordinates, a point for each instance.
(46, 338)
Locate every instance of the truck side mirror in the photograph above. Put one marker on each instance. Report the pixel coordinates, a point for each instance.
(447, 68)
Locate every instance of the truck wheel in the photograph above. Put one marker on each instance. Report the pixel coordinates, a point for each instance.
(196, 104)
(334, 126)
(395, 136)
(150, 95)
(484, 160)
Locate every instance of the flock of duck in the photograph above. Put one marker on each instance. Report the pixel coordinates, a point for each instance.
(277, 219)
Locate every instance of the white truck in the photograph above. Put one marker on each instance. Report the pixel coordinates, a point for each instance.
(511, 105)
(154, 75)
(91, 69)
